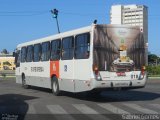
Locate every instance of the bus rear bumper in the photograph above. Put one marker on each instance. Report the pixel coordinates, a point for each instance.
(130, 84)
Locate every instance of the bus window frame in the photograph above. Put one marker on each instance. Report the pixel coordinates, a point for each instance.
(69, 48)
(87, 55)
(40, 52)
(17, 58)
(24, 59)
(28, 59)
(45, 52)
(59, 49)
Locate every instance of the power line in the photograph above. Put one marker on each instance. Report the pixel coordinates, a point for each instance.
(81, 14)
(22, 13)
(35, 13)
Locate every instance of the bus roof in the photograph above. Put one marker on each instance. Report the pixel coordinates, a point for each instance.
(73, 32)
(57, 36)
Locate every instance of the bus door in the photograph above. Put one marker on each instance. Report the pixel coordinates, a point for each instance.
(82, 61)
(17, 56)
(67, 64)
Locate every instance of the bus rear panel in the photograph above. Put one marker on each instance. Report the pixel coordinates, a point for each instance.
(119, 57)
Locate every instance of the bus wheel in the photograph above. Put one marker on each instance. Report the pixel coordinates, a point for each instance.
(55, 86)
(24, 85)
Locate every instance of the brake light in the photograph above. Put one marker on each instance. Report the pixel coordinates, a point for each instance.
(120, 73)
(143, 69)
(95, 69)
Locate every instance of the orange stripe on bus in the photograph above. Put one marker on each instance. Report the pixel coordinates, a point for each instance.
(54, 68)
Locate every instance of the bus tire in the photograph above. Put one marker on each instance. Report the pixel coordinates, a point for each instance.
(24, 85)
(55, 86)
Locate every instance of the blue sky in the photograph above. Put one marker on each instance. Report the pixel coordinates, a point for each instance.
(25, 20)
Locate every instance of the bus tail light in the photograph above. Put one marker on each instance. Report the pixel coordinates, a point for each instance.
(96, 72)
(143, 69)
(95, 69)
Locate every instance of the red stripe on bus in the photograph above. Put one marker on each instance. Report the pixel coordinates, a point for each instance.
(54, 68)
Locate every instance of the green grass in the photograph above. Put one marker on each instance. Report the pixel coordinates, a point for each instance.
(153, 75)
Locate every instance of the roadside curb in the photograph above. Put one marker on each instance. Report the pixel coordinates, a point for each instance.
(7, 76)
(154, 78)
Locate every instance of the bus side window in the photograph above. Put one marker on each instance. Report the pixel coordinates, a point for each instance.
(23, 54)
(17, 58)
(45, 56)
(82, 46)
(29, 56)
(67, 48)
(55, 49)
(37, 53)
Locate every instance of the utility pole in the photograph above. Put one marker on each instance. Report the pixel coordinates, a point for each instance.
(55, 15)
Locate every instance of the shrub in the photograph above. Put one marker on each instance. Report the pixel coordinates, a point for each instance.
(153, 70)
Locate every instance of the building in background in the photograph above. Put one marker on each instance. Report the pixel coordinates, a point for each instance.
(7, 62)
(133, 15)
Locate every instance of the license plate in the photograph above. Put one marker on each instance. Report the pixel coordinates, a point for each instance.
(121, 84)
(120, 73)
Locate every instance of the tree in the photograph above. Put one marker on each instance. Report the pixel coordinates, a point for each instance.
(4, 51)
(152, 58)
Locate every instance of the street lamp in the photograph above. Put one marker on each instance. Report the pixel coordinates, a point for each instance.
(55, 15)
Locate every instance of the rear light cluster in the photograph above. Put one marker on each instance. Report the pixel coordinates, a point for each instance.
(96, 72)
(95, 69)
(143, 71)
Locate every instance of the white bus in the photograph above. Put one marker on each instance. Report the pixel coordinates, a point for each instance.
(93, 58)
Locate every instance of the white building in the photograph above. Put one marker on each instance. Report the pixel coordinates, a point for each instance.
(133, 15)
